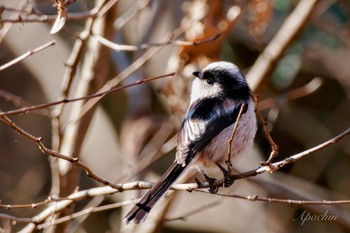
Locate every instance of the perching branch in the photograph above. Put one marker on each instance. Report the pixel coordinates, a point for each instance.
(106, 190)
(254, 198)
(270, 167)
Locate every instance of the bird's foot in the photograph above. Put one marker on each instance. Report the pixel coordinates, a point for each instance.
(212, 187)
(227, 172)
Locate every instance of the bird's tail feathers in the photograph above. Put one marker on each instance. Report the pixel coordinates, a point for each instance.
(142, 208)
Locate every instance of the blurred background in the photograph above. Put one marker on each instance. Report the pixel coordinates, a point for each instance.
(295, 55)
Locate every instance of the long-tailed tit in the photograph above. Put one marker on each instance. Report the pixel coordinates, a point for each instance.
(217, 95)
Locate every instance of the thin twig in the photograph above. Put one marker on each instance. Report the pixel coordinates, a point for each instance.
(294, 94)
(16, 219)
(19, 102)
(49, 18)
(45, 150)
(229, 142)
(23, 5)
(33, 205)
(16, 100)
(24, 206)
(119, 47)
(195, 211)
(73, 160)
(130, 69)
(28, 109)
(27, 54)
(254, 198)
(274, 146)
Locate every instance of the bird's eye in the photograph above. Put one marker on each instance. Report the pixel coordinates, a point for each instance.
(210, 81)
(209, 77)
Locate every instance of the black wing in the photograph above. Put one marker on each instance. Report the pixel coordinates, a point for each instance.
(199, 128)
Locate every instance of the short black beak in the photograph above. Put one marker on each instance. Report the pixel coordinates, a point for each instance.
(198, 74)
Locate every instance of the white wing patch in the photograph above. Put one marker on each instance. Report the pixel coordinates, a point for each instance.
(192, 130)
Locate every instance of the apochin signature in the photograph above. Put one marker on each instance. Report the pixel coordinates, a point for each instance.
(308, 217)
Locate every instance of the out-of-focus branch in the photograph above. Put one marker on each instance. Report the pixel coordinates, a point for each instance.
(14, 99)
(195, 211)
(274, 50)
(48, 18)
(34, 17)
(294, 94)
(27, 54)
(133, 67)
(86, 211)
(73, 160)
(59, 206)
(119, 47)
(22, 6)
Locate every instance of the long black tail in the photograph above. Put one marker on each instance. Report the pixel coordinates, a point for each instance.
(140, 211)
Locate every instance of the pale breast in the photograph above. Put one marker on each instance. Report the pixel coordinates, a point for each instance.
(217, 150)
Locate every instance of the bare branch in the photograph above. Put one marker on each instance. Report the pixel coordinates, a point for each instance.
(26, 110)
(294, 94)
(119, 47)
(14, 218)
(48, 18)
(254, 198)
(270, 167)
(274, 147)
(229, 142)
(86, 211)
(27, 54)
(195, 211)
(45, 150)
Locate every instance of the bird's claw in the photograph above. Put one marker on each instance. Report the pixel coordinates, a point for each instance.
(212, 187)
(228, 176)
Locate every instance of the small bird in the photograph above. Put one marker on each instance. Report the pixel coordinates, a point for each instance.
(217, 95)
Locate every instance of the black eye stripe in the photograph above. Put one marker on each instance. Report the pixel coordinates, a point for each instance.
(208, 75)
